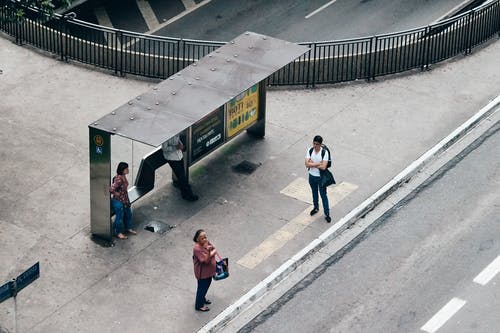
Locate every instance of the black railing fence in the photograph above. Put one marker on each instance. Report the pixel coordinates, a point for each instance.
(326, 62)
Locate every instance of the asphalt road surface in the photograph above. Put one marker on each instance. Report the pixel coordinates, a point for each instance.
(302, 21)
(429, 267)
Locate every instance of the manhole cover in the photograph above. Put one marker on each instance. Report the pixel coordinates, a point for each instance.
(158, 227)
(246, 167)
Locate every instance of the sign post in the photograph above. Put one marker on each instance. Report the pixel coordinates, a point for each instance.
(11, 288)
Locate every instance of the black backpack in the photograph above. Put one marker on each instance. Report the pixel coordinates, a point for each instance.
(324, 147)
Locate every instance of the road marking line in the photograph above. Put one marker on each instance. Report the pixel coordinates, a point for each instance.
(299, 189)
(188, 3)
(320, 9)
(102, 17)
(179, 16)
(148, 14)
(277, 240)
(442, 316)
(489, 272)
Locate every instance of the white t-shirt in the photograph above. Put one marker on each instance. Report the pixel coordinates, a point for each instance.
(316, 157)
(170, 151)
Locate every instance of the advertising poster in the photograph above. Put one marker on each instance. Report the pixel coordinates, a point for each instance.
(207, 134)
(242, 111)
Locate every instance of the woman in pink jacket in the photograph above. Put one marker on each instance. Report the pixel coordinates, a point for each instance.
(204, 267)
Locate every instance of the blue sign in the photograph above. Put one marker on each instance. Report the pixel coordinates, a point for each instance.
(5, 291)
(30, 275)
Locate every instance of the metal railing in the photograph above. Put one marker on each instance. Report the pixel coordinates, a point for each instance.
(327, 62)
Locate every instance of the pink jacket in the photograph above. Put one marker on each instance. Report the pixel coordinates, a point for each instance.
(204, 266)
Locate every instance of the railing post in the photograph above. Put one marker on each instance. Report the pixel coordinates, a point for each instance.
(183, 55)
(65, 40)
(313, 76)
(119, 42)
(374, 58)
(369, 60)
(498, 17)
(469, 32)
(62, 25)
(307, 67)
(18, 31)
(116, 53)
(178, 56)
(427, 49)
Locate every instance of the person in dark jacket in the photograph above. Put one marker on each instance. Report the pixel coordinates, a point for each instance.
(173, 153)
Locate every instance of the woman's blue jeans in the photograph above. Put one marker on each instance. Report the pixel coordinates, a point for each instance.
(123, 215)
(314, 182)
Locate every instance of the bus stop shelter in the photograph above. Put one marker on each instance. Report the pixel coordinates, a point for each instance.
(209, 103)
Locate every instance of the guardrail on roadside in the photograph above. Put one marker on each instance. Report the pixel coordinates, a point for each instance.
(126, 52)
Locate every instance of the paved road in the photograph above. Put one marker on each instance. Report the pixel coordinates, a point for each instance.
(223, 20)
(423, 256)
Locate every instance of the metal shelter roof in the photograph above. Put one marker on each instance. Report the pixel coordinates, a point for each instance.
(191, 94)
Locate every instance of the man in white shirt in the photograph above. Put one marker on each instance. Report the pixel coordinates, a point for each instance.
(317, 160)
(173, 153)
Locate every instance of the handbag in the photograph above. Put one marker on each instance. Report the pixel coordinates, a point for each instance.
(221, 268)
(327, 178)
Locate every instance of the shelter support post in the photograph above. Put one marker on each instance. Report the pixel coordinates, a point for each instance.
(259, 128)
(100, 179)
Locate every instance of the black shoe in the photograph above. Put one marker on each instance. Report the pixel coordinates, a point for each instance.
(192, 197)
(314, 211)
(328, 218)
(207, 301)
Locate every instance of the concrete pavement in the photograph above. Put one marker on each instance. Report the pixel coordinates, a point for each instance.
(146, 284)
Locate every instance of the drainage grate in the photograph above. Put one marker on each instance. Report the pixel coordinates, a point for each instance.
(158, 227)
(246, 167)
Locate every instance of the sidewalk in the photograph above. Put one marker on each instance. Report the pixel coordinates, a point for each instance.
(146, 283)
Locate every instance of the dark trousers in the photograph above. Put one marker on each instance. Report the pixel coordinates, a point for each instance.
(180, 173)
(201, 292)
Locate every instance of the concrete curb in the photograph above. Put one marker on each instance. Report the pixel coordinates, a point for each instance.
(360, 211)
(454, 11)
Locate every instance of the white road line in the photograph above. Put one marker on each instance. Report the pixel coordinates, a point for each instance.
(320, 9)
(181, 15)
(188, 3)
(102, 17)
(489, 272)
(446, 312)
(148, 14)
